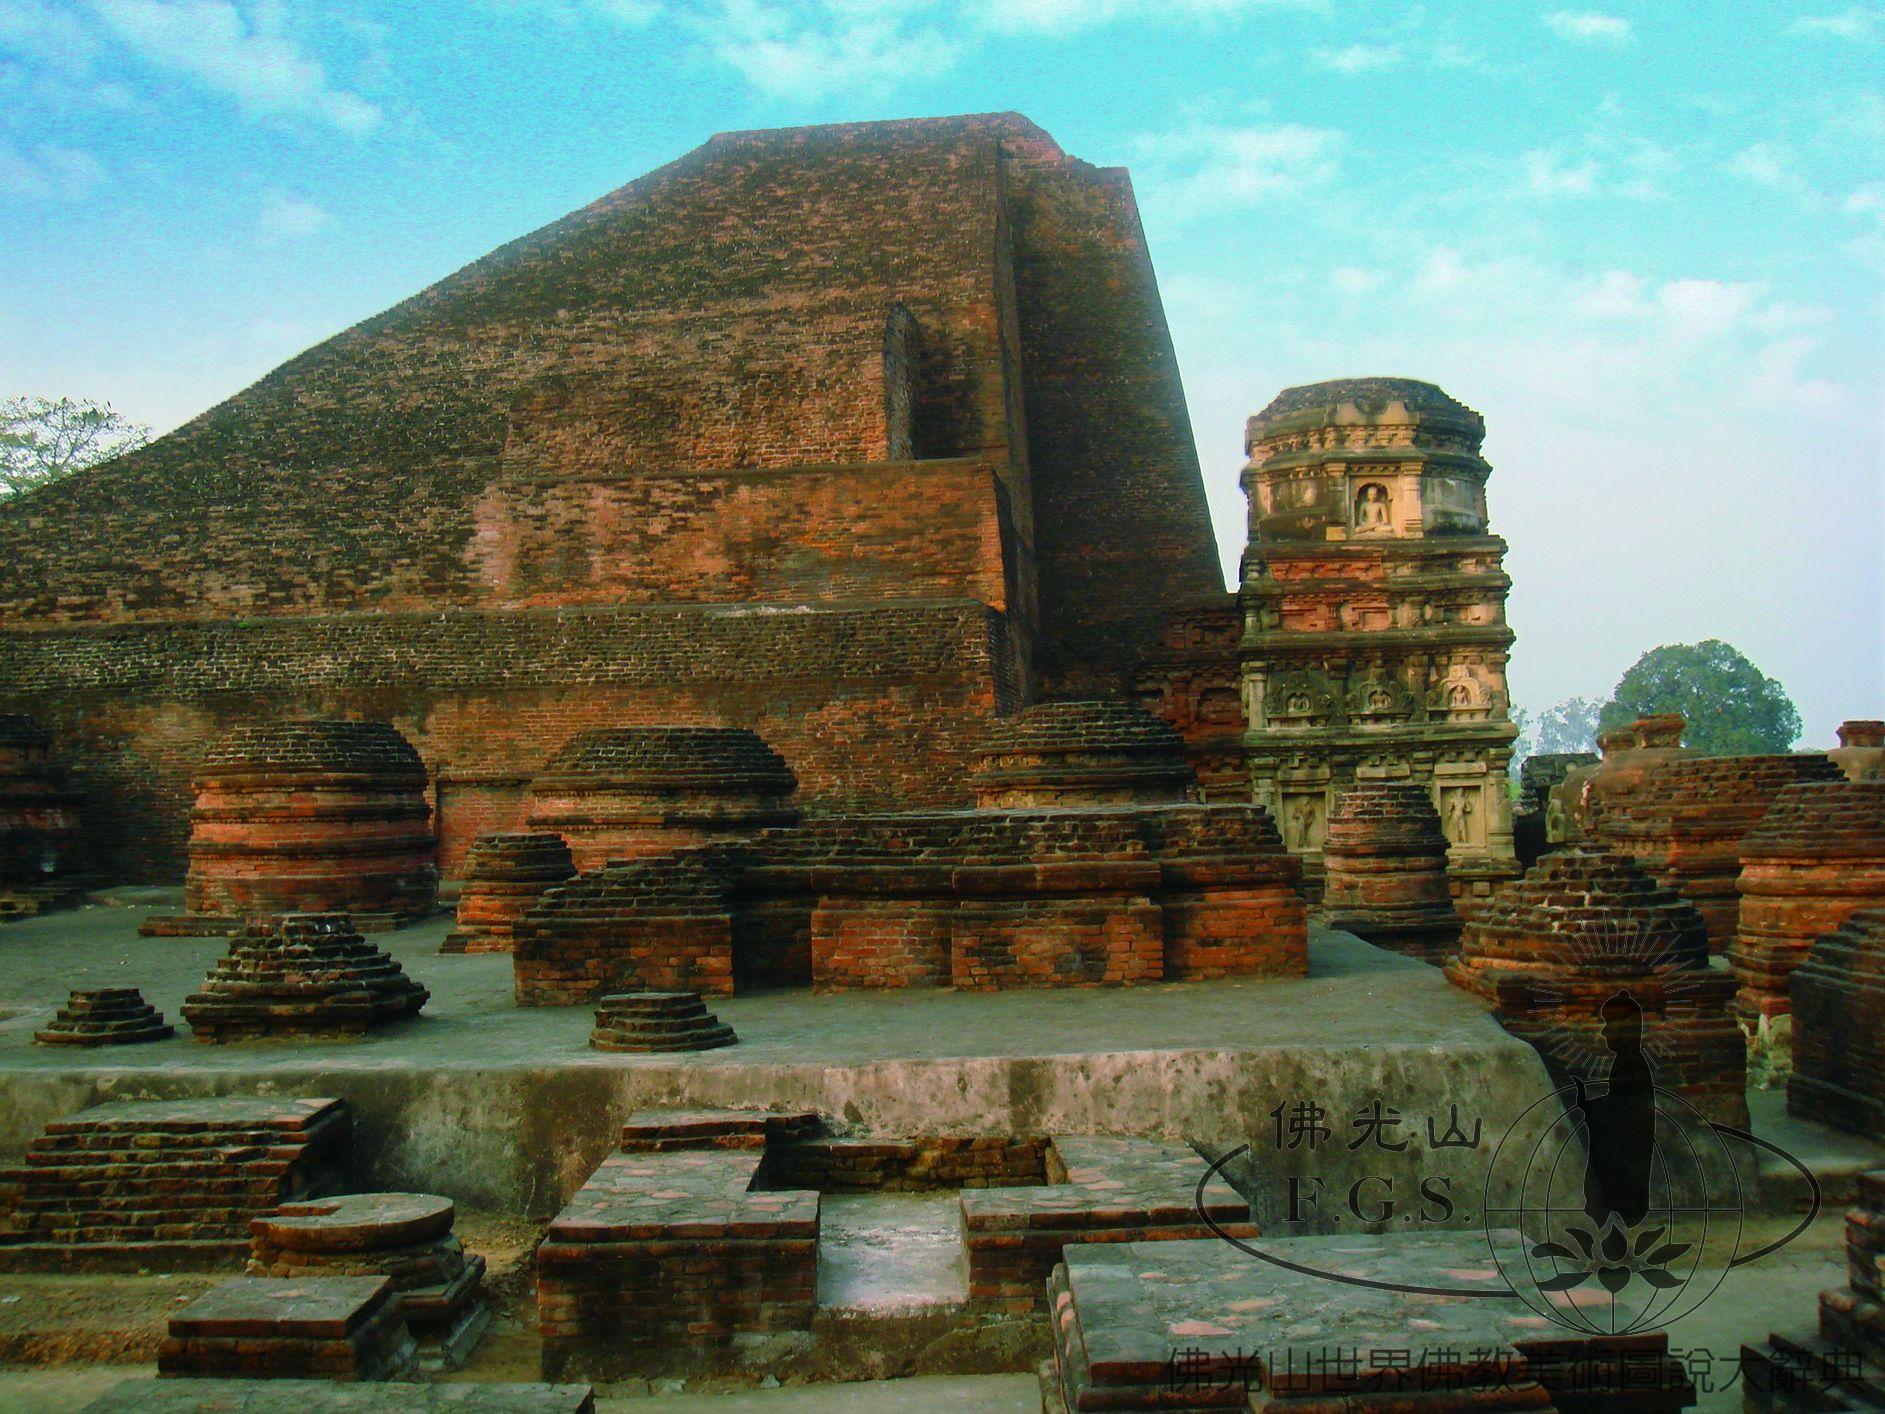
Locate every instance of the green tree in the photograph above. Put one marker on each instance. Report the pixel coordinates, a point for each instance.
(43, 439)
(1732, 707)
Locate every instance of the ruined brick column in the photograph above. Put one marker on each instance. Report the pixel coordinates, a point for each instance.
(1534, 827)
(1385, 862)
(1081, 753)
(42, 846)
(1685, 821)
(1838, 996)
(1584, 925)
(504, 875)
(628, 792)
(1816, 858)
(308, 817)
(1861, 750)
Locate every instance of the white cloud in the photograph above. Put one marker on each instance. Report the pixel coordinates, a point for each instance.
(1066, 16)
(1583, 27)
(1360, 58)
(1209, 166)
(1548, 174)
(569, 12)
(1356, 279)
(812, 51)
(49, 172)
(289, 217)
(1774, 165)
(1855, 23)
(249, 54)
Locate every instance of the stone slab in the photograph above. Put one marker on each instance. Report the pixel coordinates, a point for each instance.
(192, 1396)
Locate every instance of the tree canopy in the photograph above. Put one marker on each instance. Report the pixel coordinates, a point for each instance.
(43, 439)
(1732, 707)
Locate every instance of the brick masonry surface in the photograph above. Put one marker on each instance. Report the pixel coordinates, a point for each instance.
(1202, 1325)
(1838, 995)
(966, 427)
(165, 1184)
(338, 1328)
(199, 1396)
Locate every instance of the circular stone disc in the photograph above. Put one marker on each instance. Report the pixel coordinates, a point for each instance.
(358, 1222)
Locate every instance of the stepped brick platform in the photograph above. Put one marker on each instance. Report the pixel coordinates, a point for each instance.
(625, 792)
(1584, 924)
(649, 1022)
(978, 900)
(42, 840)
(659, 924)
(1081, 753)
(1816, 858)
(1838, 996)
(338, 1328)
(171, 1185)
(406, 1237)
(188, 1396)
(1103, 1190)
(1842, 1366)
(305, 975)
(1685, 823)
(1384, 871)
(669, 1244)
(1201, 1325)
(1861, 751)
(105, 1016)
(308, 817)
(504, 875)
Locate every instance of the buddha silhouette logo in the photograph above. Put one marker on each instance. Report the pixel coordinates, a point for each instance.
(1612, 1205)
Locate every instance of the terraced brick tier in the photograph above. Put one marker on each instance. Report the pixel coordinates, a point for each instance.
(1101, 1189)
(1788, 1371)
(106, 1016)
(1816, 858)
(314, 816)
(1385, 871)
(658, 1131)
(1081, 753)
(43, 857)
(1685, 823)
(190, 1396)
(504, 874)
(908, 1165)
(171, 1185)
(1584, 925)
(337, 1328)
(302, 974)
(626, 792)
(406, 1237)
(652, 1022)
(1237, 1332)
(671, 1248)
(1838, 996)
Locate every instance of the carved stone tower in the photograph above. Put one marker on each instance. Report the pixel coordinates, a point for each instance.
(1375, 640)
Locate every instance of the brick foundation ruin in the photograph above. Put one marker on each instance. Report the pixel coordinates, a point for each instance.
(504, 875)
(970, 899)
(629, 792)
(654, 1022)
(404, 1237)
(170, 1185)
(1838, 1032)
(1537, 817)
(301, 975)
(345, 1329)
(1685, 822)
(1080, 753)
(1582, 926)
(308, 817)
(1842, 1364)
(105, 1016)
(42, 840)
(1384, 864)
(1816, 858)
(1861, 750)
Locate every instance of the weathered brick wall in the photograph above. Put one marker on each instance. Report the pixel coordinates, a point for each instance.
(889, 365)
(867, 705)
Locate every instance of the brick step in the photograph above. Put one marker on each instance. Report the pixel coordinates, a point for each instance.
(47, 1170)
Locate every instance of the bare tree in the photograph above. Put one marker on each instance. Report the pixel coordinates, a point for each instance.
(43, 439)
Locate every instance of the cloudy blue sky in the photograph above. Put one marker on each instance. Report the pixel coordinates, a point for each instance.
(1647, 240)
